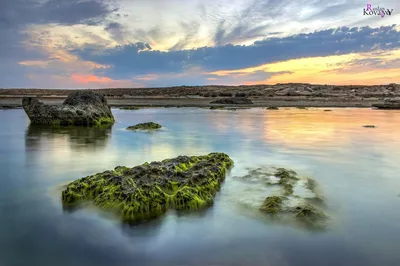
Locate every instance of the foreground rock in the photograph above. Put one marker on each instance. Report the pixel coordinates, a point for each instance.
(234, 100)
(389, 104)
(80, 108)
(148, 126)
(149, 190)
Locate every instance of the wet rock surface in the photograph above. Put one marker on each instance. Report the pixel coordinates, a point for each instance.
(79, 108)
(233, 100)
(389, 104)
(148, 126)
(149, 190)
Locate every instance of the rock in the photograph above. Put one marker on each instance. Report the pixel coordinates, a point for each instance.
(391, 103)
(308, 89)
(151, 189)
(327, 110)
(369, 126)
(234, 100)
(130, 108)
(148, 126)
(216, 107)
(272, 108)
(80, 108)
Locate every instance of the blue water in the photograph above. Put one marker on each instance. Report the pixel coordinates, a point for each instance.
(357, 170)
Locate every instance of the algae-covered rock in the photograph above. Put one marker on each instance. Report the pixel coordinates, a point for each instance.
(130, 108)
(148, 126)
(216, 107)
(80, 108)
(290, 198)
(150, 189)
(273, 204)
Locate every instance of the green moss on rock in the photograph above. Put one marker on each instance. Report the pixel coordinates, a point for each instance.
(216, 107)
(145, 126)
(130, 108)
(149, 190)
(273, 204)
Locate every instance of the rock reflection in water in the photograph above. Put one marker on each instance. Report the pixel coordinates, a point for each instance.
(78, 137)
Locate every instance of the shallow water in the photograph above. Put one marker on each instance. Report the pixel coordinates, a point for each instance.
(357, 170)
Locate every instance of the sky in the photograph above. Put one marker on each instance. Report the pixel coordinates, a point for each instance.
(159, 43)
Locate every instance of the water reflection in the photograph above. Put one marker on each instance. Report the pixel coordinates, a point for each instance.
(79, 138)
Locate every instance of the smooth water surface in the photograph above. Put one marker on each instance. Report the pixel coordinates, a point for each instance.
(357, 170)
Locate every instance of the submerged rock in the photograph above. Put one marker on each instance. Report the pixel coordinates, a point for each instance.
(80, 108)
(148, 126)
(369, 126)
(234, 100)
(272, 108)
(149, 190)
(292, 199)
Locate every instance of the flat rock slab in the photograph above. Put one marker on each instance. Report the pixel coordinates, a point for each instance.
(149, 190)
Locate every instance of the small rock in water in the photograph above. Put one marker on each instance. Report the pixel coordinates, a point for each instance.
(370, 126)
(272, 108)
(145, 126)
(327, 110)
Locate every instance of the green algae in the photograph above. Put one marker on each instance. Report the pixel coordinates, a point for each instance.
(273, 204)
(145, 126)
(216, 107)
(287, 179)
(71, 122)
(308, 213)
(149, 190)
(130, 108)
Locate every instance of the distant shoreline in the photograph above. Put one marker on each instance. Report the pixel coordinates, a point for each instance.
(280, 95)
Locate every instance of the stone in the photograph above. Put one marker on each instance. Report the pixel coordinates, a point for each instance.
(82, 107)
(234, 100)
(390, 103)
(148, 126)
(151, 189)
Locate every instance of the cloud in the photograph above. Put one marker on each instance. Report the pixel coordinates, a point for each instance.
(131, 60)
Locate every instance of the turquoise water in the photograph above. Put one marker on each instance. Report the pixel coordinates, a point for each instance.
(357, 170)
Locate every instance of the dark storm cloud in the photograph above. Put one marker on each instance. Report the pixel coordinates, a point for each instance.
(128, 60)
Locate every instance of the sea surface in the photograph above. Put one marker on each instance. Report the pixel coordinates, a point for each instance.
(357, 170)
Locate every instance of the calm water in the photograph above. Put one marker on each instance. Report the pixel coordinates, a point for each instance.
(357, 170)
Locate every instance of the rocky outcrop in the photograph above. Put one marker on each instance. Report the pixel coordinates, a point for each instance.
(151, 189)
(234, 100)
(389, 104)
(80, 108)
